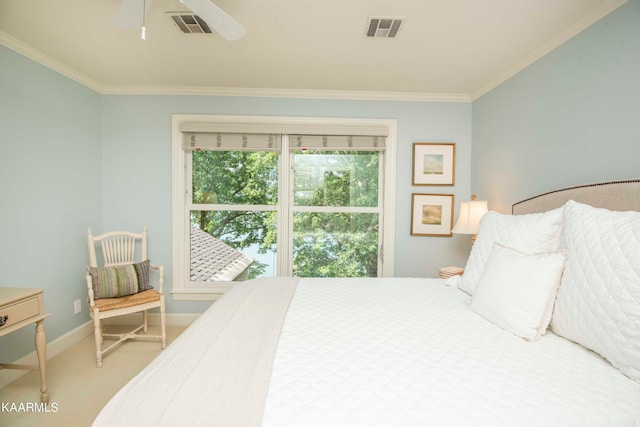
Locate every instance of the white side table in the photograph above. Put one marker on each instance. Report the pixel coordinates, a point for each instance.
(20, 307)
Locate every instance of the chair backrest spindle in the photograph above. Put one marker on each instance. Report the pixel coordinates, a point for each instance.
(118, 247)
(118, 250)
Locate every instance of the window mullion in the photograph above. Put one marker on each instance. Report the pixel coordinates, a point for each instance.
(186, 225)
(216, 207)
(285, 217)
(337, 209)
(380, 207)
(381, 192)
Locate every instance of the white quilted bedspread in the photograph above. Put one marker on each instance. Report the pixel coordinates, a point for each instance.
(408, 352)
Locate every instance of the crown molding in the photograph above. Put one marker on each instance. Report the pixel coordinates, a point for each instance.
(583, 23)
(577, 27)
(37, 56)
(42, 59)
(288, 93)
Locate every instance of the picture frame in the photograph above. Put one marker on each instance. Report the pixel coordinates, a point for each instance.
(431, 214)
(434, 163)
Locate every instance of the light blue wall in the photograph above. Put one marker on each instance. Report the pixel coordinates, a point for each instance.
(50, 190)
(73, 159)
(571, 118)
(137, 165)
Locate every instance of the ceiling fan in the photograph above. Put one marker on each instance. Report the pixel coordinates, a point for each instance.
(132, 13)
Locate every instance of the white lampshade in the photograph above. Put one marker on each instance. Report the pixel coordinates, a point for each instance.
(469, 218)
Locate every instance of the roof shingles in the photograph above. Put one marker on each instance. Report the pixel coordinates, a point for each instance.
(214, 260)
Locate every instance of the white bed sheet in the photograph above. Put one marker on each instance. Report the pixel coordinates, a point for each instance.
(390, 352)
(408, 352)
(217, 372)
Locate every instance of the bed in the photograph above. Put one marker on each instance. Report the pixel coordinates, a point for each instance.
(542, 329)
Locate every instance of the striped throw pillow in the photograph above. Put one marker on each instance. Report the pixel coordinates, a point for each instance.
(119, 280)
(142, 269)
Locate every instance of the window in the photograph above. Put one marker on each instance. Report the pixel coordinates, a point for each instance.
(337, 205)
(231, 184)
(255, 197)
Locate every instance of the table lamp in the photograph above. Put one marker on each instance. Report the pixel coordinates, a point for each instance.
(469, 218)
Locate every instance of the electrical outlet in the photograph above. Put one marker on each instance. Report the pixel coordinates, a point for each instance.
(77, 307)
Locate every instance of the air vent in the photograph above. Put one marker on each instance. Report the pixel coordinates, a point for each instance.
(190, 23)
(384, 27)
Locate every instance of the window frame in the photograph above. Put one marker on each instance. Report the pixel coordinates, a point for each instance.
(376, 210)
(181, 288)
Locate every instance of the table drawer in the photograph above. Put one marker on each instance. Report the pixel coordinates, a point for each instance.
(18, 312)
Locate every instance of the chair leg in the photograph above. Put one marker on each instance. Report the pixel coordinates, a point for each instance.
(97, 332)
(145, 321)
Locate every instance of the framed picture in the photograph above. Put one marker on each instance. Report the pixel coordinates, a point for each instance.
(431, 214)
(434, 163)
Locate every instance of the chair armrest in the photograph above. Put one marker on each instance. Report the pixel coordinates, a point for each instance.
(160, 270)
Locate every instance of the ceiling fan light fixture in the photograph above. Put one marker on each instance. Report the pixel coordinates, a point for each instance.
(143, 31)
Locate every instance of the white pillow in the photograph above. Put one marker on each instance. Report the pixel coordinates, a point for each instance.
(517, 290)
(531, 233)
(598, 303)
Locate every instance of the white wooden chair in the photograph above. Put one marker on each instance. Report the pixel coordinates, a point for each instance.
(118, 250)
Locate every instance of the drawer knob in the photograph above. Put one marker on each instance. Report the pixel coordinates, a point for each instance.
(3, 320)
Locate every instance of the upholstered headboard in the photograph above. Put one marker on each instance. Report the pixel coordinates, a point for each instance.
(616, 196)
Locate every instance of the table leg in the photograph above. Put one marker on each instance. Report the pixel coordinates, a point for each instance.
(41, 351)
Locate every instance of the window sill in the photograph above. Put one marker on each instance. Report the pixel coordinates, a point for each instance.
(201, 294)
(195, 296)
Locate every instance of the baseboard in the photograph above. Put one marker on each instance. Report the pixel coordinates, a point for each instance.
(73, 337)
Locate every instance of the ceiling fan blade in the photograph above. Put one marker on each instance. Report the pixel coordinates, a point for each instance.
(130, 13)
(217, 18)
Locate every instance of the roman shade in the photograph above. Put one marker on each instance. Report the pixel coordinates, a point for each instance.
(268, 136)
(231, 141)
(336, 142)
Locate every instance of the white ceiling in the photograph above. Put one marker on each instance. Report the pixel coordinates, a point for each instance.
(445, 50)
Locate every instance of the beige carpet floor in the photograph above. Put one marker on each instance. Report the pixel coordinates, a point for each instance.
(76, 386)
